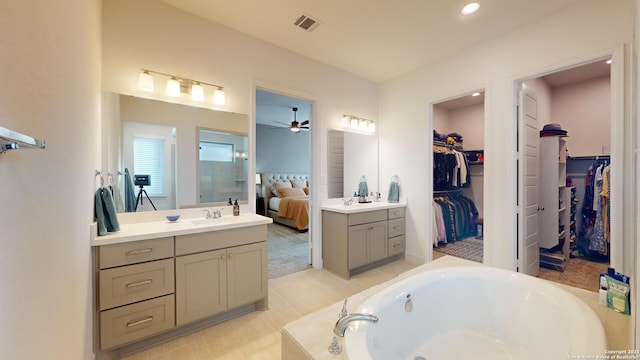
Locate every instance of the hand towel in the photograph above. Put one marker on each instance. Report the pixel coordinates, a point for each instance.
(394, 191)
(129, 194)
(118, 202)
(105, 212)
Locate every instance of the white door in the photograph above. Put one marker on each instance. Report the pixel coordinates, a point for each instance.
(528, 162)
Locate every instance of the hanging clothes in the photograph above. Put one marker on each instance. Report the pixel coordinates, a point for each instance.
(596, 208)
(455, 217)
(450, 169)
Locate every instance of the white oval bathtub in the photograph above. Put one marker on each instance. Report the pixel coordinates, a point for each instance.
(475, 313)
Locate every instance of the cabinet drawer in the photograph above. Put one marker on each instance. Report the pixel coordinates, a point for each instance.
(135, 252)
(213, 240)
(136, 321)
(367, 217)
(127, 284)
(396, 227)
(395, 213)
(396, 245)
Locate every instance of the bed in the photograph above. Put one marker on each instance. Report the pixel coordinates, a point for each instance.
(286, 198)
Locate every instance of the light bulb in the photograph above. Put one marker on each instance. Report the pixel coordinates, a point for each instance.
(354, 123)
(345, 121)
(197, 92)
(173, 87)
(218, 97)
(372, 126)
(145, 81)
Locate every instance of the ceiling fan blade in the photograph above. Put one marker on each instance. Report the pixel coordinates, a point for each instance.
(306, 122)
(285, 124)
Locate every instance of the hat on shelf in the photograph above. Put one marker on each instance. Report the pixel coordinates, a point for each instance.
(553, 130)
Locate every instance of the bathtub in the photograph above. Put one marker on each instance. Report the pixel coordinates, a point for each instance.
(475, 312)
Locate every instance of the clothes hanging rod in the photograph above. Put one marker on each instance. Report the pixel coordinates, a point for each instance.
(13, 140)
(591, 157)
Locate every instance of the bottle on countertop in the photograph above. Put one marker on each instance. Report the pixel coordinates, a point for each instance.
(236, 208)
(229, 202)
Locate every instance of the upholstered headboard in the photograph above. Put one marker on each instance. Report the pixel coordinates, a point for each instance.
(268, 179)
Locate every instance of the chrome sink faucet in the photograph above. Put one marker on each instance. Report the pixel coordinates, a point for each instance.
(215, 214)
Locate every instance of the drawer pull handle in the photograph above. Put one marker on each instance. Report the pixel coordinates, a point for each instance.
(139, 283)
(222, 257)
(140, 322)
(396, 227)
(230, 255)
(137, 252)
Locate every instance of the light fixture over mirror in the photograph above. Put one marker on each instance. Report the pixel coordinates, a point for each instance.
(357, 124)
(177, 85)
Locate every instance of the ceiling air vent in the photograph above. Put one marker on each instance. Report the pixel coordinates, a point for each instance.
(306, 22)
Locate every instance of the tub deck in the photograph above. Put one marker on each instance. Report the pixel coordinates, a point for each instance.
(310, 336)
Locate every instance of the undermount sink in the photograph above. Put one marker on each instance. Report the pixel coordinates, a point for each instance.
(219, 221)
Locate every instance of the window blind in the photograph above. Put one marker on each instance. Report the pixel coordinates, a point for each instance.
(148, 159)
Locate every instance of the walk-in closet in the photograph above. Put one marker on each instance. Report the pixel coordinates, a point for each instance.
(573, 108)
(458, 177)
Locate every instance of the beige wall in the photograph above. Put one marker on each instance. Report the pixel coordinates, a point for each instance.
(49, 88)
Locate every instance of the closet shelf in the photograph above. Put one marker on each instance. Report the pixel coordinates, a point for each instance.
(12, 140)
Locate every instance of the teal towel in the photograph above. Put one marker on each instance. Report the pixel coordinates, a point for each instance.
(394, 192)
(117, 198)
(363, 189)
(129, 194)
(105, 212)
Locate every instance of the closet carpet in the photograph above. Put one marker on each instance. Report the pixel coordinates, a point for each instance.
(469, 248)
(288, 250)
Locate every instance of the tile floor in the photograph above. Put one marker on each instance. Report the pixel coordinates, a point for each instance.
(257, 335)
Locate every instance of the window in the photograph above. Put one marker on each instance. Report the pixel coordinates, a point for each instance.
(148, 159)
(212, 151)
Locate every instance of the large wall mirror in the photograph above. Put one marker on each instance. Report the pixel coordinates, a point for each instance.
(175, 133)
(350, 156)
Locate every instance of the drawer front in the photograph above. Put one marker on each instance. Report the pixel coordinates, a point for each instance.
(395, 213)
(214, 240)
(135, 252)
(367, 217)
(396, 227)
(396, 245)
(133, 322)
(127, 284)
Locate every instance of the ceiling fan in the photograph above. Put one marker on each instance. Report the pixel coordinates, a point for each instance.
(295, 126)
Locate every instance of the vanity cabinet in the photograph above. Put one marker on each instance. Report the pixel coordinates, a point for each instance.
(135, 290)
(148, 287)
(355, 242)
(215, 274)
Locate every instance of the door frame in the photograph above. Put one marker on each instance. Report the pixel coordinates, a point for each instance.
(428, 255)
(315, 240)
(620, 208)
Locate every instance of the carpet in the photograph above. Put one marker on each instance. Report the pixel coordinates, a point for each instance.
(288, 250)
(470, 249)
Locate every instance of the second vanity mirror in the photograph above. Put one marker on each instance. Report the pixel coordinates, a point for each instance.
(350, 156)
(181, 130)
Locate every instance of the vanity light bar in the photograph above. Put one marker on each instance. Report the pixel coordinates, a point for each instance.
(176, 85)
(357, 124)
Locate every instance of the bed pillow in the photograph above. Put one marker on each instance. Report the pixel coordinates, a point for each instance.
(279, 185)
(306, 190)
(302, 183)
(286, 192)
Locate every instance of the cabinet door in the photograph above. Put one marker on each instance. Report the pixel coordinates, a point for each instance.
(378, 240)
(201, 285)
(358, 254)
(247, 273)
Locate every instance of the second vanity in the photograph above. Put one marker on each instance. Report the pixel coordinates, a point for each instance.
(155, 278)
(358, 237)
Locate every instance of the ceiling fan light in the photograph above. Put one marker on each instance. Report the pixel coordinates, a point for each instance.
(145, 81)
(295, 129)
(173, 87)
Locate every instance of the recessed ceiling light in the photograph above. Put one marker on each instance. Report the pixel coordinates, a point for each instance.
(470, 8)
(475, 94)
(609, 61)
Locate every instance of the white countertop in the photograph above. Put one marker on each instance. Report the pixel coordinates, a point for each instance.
(356, 207)
(162, 228)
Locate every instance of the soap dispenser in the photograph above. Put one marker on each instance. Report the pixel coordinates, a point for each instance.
(229, 202)
(236, 208)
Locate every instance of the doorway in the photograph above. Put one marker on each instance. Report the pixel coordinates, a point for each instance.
(458, 176)
(283, 157)
(567, 237)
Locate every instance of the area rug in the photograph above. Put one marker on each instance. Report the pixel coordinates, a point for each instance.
(288, 250)
(470, 249)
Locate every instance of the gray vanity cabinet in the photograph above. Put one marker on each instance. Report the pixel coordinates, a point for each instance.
(213, 276)
(355, 242)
